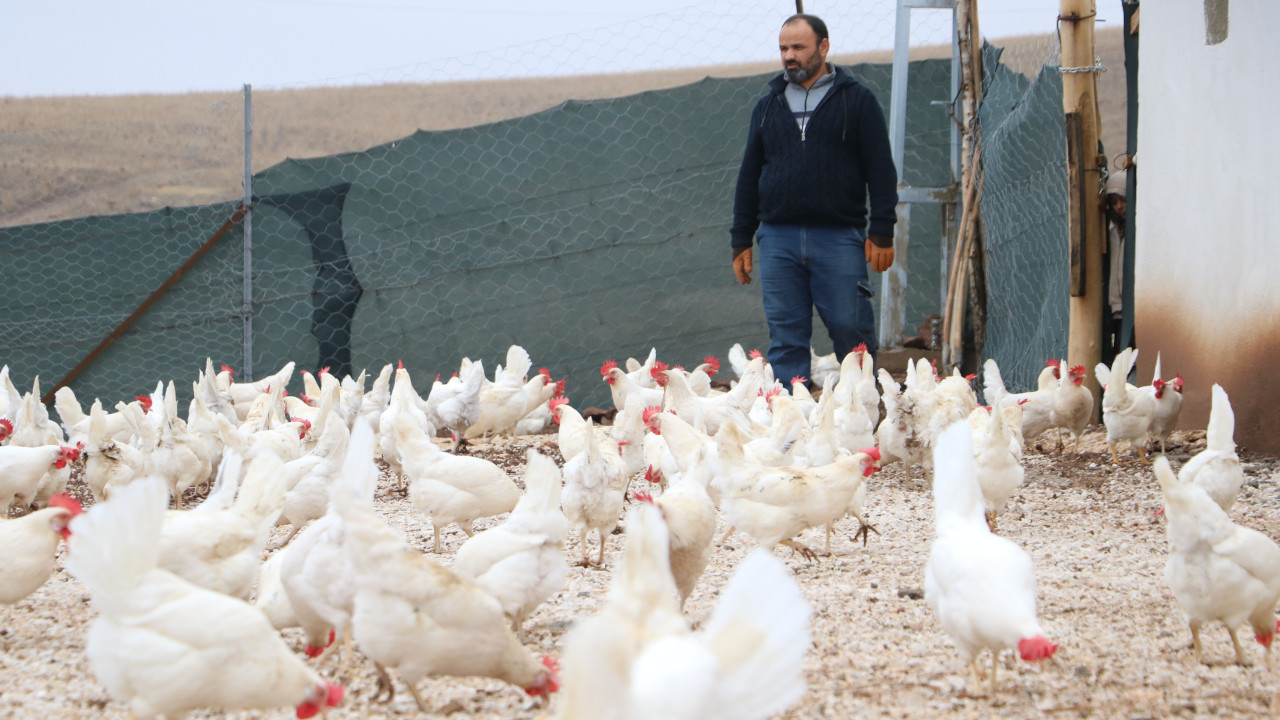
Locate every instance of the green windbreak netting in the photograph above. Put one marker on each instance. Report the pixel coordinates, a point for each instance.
(70, 283)
(589, 231)
(1024, 213)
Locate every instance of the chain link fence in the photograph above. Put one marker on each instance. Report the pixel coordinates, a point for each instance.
(583, 229)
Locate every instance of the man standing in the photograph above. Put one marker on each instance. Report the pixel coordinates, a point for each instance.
(817, 148)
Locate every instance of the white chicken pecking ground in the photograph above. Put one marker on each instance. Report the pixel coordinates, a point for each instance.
(980, 586)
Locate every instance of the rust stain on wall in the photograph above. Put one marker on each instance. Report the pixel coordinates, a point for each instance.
(1243, 367)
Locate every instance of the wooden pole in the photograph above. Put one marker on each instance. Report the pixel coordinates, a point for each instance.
(966, 18)
(138, 312)
(1085, 216)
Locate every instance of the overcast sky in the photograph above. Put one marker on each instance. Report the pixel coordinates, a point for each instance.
(71, 47)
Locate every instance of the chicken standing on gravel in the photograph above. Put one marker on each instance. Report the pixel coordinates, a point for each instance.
(1126, 410)
(1218, 570)
(780, 503)
(451, 488)
(415, 616)
(980, 586)
(595, 486)
(521, 562)
(163, 646)
(1168, 405)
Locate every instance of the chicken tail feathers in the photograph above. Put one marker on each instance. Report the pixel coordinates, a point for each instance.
(358, 479)
(542, 482)
(1220, 435)
(115, 543)
(762, 601)
(993, 389)
(957, 496)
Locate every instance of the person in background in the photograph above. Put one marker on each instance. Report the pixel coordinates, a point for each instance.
(817, 151)
(1113, 265)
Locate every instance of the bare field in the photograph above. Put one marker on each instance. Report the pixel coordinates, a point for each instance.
(1089, 526)
(69, 157)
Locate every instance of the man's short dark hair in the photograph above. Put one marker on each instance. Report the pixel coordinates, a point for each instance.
(815, 22)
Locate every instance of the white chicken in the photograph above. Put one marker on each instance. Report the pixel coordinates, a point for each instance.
(1168, 405)
(637, 659)
(308, 498)
(521, 563)
(1037, 405)
(595, 484)
(1218, 571)
(998, 453)
(24, 471)
(511, 395)
(1126, 410)
(30, 544)
(451, 488)
(404, 403)
(980, 586)
(163, 646)
(1216, 469)
(782, 502)
(456, 404)
(417, 617)
(219, 548)
(1072, 404)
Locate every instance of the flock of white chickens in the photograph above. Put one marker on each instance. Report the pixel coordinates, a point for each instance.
(765, 463)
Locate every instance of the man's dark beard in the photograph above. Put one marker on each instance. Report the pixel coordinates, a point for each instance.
(797, 75)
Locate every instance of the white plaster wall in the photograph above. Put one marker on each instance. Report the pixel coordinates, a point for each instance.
(1208, 211)
(1207, 275)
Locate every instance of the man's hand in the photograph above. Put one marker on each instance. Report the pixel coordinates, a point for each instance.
(881, 258)
(742, 264)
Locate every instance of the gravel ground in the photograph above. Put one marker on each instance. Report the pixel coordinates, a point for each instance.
(1089, 526)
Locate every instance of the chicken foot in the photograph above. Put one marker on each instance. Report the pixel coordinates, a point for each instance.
(864, 531)
(798, 547)
(385, 686)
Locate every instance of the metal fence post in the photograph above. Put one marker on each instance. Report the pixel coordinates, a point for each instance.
(246, 308)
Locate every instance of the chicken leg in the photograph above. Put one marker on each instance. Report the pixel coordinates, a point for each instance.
(1235, 642)
(1195, 641)
(798, 547)
(385, 685)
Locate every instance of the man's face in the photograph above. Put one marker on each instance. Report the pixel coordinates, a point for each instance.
(803, 56)
(1118, 204)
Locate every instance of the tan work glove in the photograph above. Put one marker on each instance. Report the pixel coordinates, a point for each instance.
(881, 258)
(742, 264)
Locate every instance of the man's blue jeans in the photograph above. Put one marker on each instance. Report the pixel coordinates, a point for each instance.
(802, 268)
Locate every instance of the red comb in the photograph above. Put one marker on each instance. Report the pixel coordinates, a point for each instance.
(227, 369)
(754, 353)
(860, 348)
(1024, 401)
(799, 379)
(1036, 648)
(1051, 362)
(6, 428)
(970, 376)
(544, 372)
(607, 366)
(559, 387)
(713, 361)
(873, 453)
(63, 500)
(556, 402)
(1076, 370)
(324, 371)
(643, 497)
(399, 364)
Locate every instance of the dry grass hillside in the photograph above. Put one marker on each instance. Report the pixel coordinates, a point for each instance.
(74, 156)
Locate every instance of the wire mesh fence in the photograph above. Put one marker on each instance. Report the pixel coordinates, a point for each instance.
(581, 219)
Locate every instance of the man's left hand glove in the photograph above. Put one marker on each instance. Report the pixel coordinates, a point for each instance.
(879, 251)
